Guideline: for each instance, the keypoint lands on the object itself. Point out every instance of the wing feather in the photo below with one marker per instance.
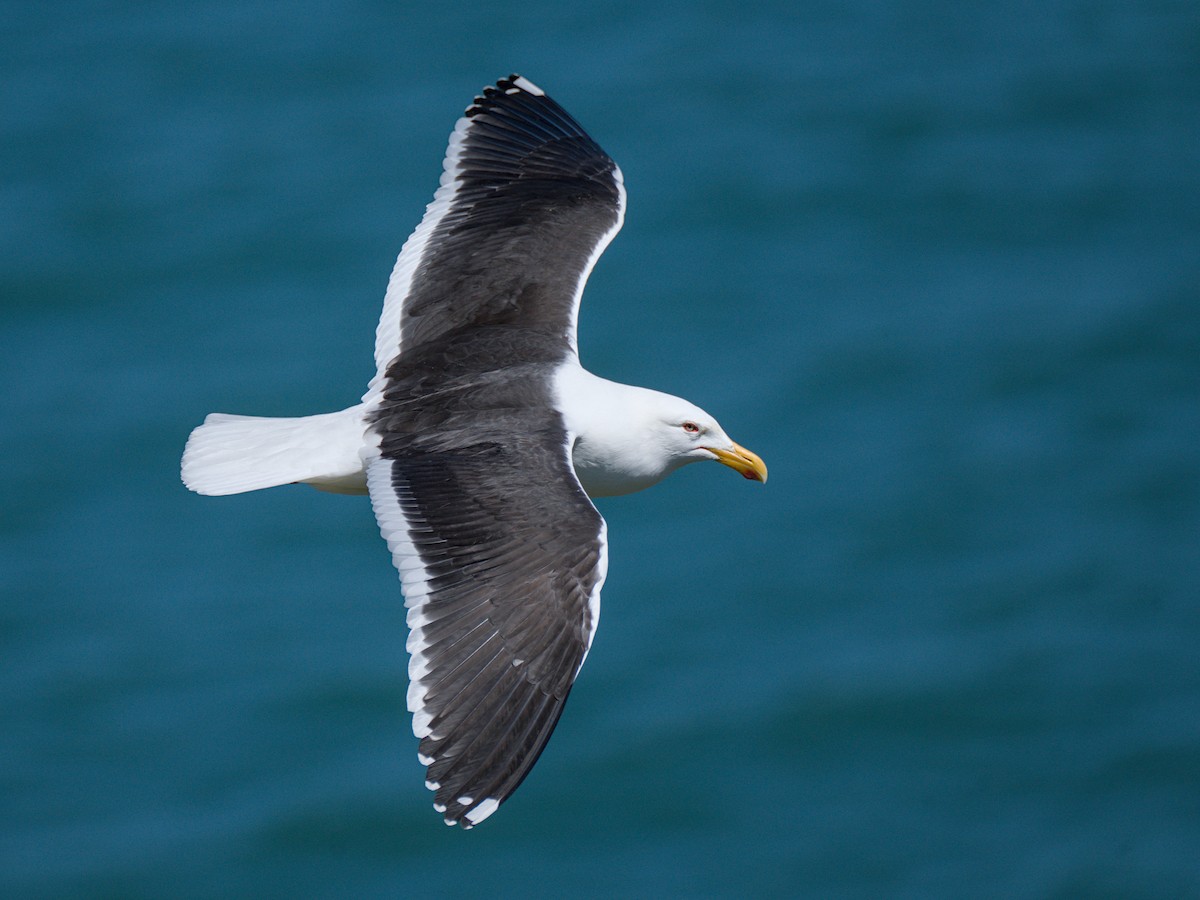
(496, 642)
(526, 204)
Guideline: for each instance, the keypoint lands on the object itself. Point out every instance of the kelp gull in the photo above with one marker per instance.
(481, 440)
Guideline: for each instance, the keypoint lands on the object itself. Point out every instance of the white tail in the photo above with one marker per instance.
(231, 454)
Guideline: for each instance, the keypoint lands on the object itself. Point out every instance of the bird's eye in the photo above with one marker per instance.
(691, 427)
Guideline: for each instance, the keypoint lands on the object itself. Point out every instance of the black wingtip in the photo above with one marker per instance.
(513, 84)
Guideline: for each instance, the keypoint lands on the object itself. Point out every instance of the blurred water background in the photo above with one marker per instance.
(938, 263)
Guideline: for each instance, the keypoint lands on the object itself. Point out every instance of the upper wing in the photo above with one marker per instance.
(501, 557)
(527, 204)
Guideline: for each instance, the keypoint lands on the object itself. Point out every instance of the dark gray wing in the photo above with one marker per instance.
(501, 556)
(527, 204)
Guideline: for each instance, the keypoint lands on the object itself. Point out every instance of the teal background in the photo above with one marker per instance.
(939, 263)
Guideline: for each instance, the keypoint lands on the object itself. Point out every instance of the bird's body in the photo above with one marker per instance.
(481, 440)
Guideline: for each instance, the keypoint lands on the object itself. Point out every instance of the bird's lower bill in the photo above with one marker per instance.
(746, 462)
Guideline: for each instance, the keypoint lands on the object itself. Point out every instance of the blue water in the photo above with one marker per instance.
(938, 263)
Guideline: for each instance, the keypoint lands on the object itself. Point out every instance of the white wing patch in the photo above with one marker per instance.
(414, 581)
(599, 249)
(480, 812)
(594, 596)
(528, 86)
(389, 336)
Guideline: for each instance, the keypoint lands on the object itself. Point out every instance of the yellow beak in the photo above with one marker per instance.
(741, 460)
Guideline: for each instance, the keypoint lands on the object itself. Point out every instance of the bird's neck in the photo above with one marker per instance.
(612, 450)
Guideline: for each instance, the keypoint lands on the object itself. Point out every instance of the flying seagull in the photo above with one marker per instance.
(481, 441)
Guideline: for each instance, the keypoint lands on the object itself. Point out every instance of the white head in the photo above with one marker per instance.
(628, 438)
(685, 433)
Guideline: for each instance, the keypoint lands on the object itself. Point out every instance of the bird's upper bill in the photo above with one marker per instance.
(741, 460)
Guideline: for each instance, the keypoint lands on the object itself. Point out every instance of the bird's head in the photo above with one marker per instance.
(688, 434)
(628, 438)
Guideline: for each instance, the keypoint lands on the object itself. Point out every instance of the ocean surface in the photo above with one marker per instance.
(938, 263)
